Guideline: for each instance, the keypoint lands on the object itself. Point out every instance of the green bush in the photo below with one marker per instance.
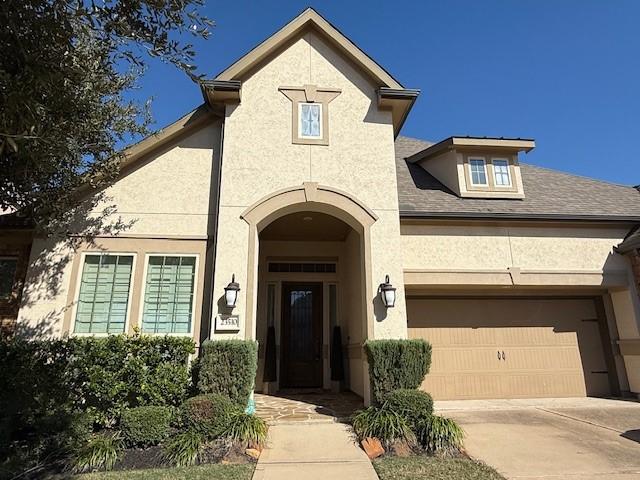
(228, 367)
(381, 423)
(208, 414)
(101, 452)
(411, 404)
(396, 364)
(184, 449)
(145, 426)
(439, 435)
(46, 383)
(247, 429)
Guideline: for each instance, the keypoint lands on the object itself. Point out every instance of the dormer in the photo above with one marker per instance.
(475, 167)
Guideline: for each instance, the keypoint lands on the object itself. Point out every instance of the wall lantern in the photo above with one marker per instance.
(231, 292)
(387, 293)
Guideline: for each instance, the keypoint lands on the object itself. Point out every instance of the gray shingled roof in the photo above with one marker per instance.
(548, 193)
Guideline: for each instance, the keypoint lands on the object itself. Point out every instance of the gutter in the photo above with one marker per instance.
(515, 216)
(404, 94)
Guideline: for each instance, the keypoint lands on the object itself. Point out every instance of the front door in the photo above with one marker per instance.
(301, 345)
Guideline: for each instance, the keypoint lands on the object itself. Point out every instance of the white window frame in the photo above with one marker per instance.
(304, 137)
(76, 297)
(486, 173)
(143, 291)
(508, 164)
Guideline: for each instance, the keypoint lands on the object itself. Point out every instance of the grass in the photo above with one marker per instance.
(200, 472)
(433, 468)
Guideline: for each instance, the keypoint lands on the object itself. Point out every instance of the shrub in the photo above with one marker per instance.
(145, 426)
(228, 367)
(382, 423)
(208, 415)
(247, 429)
(184, 449)
(411, 404)
(45, 383)
(101, 452)
(396, 364)
(439, 435)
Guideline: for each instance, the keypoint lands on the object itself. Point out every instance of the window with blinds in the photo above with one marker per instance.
(104, 294)
(168, 294)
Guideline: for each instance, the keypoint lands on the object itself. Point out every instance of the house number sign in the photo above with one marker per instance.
(227, 323)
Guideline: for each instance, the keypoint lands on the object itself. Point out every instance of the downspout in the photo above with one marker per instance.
(212, 246)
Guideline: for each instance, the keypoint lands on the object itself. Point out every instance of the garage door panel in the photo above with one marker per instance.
(552, 347)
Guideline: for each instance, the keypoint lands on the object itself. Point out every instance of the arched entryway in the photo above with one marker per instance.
(309, 269)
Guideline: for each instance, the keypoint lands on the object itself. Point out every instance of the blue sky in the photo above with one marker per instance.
(564, 72)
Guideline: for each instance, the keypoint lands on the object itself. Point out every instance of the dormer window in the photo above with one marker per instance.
(310, 116)
(501, 172)
(478, 171)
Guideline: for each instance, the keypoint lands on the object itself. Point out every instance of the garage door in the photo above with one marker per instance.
(510, 348)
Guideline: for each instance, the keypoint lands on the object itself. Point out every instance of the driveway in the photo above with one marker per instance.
(585, 438)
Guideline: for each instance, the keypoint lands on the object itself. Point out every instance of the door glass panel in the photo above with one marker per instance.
(301, 323)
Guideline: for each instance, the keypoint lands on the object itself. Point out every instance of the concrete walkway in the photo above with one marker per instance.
(552, 439)
(312, 451)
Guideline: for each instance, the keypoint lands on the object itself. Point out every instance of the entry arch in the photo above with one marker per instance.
(310, 196)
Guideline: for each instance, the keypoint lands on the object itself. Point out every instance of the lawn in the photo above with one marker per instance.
(201, 472)
(433, 468)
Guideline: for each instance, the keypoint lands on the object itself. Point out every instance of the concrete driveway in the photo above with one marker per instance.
(584, 438)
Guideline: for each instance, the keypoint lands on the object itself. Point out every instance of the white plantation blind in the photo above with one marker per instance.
(168, 297)
(104, 294)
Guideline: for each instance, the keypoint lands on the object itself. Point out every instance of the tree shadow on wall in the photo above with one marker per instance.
(51, 255)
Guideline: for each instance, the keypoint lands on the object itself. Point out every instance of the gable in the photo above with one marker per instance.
(309, 19)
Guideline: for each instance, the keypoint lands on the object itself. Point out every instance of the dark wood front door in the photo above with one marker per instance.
(301, 362)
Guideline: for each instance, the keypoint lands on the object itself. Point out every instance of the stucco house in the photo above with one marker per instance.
(292, 183)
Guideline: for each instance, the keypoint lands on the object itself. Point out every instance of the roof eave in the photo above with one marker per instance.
(400, 102)
(454, 142)
(517, 216)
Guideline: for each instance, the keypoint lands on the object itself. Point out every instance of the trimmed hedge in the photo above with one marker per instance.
(208, 414)
(146, 426)
(45, 384)
(396, 364)
(413, 405)
(228, 367)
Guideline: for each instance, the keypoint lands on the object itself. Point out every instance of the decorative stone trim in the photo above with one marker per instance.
(309, 94)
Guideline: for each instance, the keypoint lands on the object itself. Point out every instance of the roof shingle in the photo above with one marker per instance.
(548, 193)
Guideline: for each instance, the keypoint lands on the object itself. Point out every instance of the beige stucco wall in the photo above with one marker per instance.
(259, 158)
(440, 248)
(166, 196)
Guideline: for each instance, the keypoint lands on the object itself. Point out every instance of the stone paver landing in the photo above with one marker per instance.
(306, 407)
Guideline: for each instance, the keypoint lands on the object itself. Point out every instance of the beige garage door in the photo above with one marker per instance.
(510, 348)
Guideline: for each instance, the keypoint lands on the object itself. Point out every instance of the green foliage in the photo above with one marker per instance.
(208, 414)
(247, 429)
(396, 364)
(228, 367)
(411, 404)
(44, 384)
(66, 68)
(145, 426)
(439, 435)
(382, 423)
(184, 449)
(101, 452)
